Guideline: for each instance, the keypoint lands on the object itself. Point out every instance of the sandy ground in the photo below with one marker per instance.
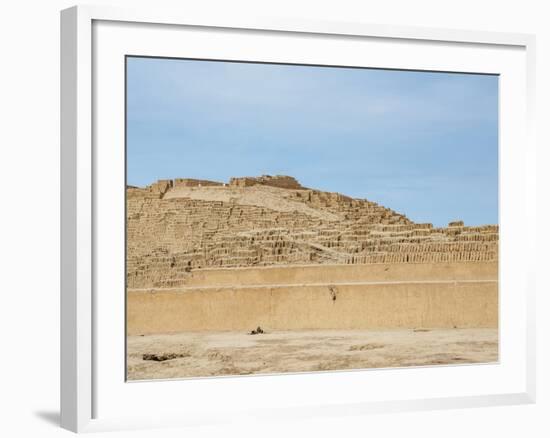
(201, 354)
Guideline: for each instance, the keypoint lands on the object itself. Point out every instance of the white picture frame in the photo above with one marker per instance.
(87, 403)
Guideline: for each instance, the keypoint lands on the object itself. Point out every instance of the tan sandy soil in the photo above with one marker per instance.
(200, 354)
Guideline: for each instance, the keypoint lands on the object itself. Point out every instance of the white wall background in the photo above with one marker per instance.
(29, 215)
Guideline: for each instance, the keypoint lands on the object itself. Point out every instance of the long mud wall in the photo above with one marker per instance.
(308, 274)
(322, 297)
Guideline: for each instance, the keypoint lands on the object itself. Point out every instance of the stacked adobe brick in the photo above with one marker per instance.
(166, 238)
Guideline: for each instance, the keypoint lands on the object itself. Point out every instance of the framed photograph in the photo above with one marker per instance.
(283, 218)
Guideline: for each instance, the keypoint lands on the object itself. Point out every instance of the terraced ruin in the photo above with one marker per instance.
(323, 280)
(175, 227)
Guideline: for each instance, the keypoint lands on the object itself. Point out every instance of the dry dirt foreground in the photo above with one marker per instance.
(202, 354)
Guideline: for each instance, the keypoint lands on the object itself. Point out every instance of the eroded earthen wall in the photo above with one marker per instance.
(167, 238)
(300, 259)
(436, 295)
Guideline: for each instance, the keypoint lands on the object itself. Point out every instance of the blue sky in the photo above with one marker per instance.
(424, 144)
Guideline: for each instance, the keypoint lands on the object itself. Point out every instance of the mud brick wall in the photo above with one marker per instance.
(281, 181)
(167, 238)
(190, 182)
(267, 251)
(170, 236)
(441, 295)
